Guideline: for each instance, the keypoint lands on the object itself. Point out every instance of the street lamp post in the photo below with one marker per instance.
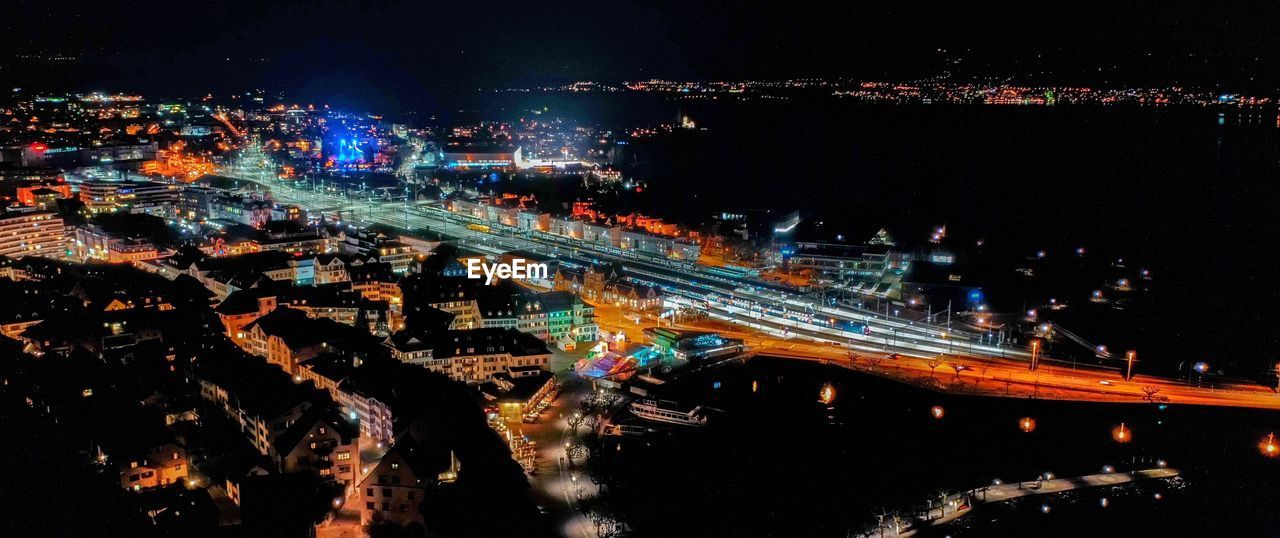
(1035, 354)
(1129, 356)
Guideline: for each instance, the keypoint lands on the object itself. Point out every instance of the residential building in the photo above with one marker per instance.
(472, 356)
(36, 233)
(325, 445)
(394, 490)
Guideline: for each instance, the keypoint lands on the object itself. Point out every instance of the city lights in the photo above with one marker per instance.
(388, 271)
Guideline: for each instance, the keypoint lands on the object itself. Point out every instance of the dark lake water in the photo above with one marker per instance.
(777, 462)
(1187, 194)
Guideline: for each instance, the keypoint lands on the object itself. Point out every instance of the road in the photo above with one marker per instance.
(553, 488)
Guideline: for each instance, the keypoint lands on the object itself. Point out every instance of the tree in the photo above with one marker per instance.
(576, 450)
(606, 525)
(957, 367)
(1151, 394)
(575, 420)
(942, 502)
(933, 364)
(874, 362)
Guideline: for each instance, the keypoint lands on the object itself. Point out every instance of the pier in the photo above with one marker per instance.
(958, 505)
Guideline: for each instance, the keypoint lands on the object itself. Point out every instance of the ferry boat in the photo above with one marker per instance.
(667, 411)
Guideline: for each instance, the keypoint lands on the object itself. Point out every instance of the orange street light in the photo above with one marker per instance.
(1027, 424)
(1121, 434)
(1269, 447)
(826, 395)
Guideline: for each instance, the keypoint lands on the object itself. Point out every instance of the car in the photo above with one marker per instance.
(1106, 383)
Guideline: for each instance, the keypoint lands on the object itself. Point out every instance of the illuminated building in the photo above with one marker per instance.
(98, 155)
(43, 196)
(175, 163)
(642, 241)
(301, 243)
(348, 151)
(260, 400)
(158, 199)
(196, 203)
(324, 445)
(288, 336)
(472, 356)
(244, 210)
(472, 157)
(394, 490)
(20, 174)
(92, 242)
(554, 317)
(634, 231)
(834, 262)
(453, 296)
(159, 466)
(532, 220)
(566, 226)
(34, 233)
(518, 396)
(692, 345)
(386, 248)
(357, 394)
(608, 287)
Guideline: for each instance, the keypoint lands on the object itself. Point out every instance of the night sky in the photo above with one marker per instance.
(400, 54)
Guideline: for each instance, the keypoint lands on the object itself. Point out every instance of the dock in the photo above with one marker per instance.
(958, 505)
